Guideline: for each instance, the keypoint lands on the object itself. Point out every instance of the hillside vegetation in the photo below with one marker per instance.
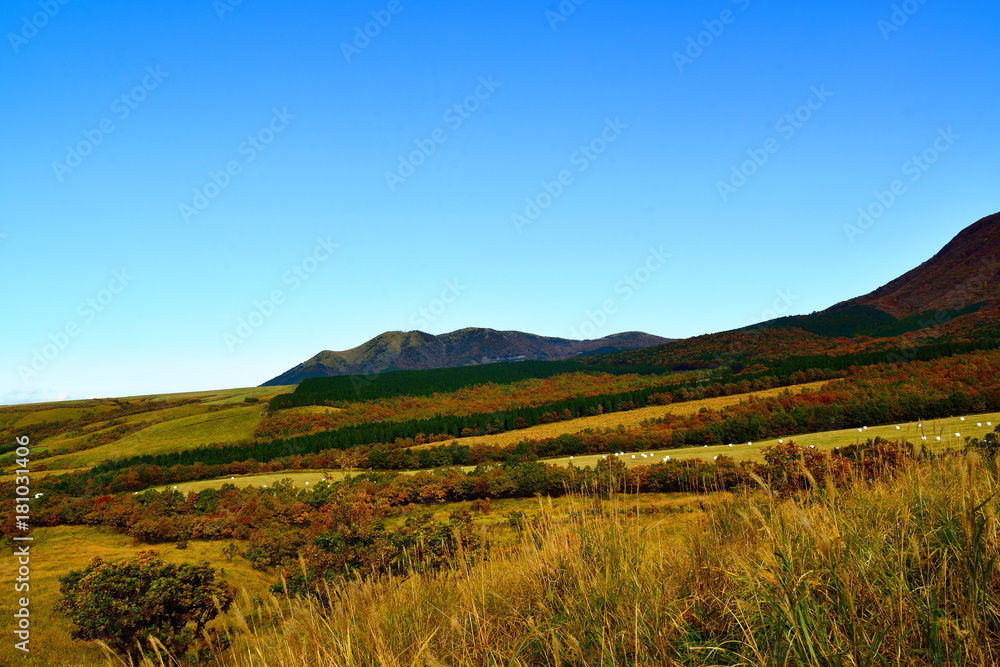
(630, 419)
(897, 571)
(347, 388)
(476, 518)
(893, 567)
(84, 433)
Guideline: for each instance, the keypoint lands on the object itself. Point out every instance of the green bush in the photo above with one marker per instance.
(122, 603)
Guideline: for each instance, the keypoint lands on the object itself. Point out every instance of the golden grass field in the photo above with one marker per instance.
(878, 572)
(20, 420)
(56, 551)
(884, 571)
(299, 478)
(226, 426)
(22, 415)
(223, 396)
(313, 410)
(629, 419)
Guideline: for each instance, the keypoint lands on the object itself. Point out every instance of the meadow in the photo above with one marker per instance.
(894, 570)
(173, 433)
(827, 441)
(57, 550)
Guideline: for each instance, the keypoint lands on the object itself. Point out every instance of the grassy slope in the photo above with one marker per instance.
(627, 590)
(747, 580)
(193, 425)
(300, 478)
(220, 396)
(23, 415)
(51, 414)
(217, 416)
(313, 410)
(225, 426)
(71, 440)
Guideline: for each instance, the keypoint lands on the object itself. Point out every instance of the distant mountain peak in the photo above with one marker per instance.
(414, 350)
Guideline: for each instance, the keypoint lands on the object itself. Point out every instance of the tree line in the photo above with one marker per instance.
(347, 388)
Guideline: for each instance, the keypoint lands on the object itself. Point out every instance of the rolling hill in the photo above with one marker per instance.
(416, 350)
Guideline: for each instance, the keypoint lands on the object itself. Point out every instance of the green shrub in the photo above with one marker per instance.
(122, 603)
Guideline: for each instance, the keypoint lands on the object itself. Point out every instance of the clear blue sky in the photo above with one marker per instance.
(309, 130)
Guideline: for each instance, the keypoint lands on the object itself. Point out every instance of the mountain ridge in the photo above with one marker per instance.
(416, 350)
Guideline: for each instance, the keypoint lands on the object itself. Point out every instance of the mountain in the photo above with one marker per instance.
(414, 350)
(963, 273)
(954, 297)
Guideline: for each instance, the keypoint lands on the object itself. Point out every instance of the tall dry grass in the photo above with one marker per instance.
(892, 572)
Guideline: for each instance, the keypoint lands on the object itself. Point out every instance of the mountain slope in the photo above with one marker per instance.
(954, 296)
(964, 272)
(414, 350)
